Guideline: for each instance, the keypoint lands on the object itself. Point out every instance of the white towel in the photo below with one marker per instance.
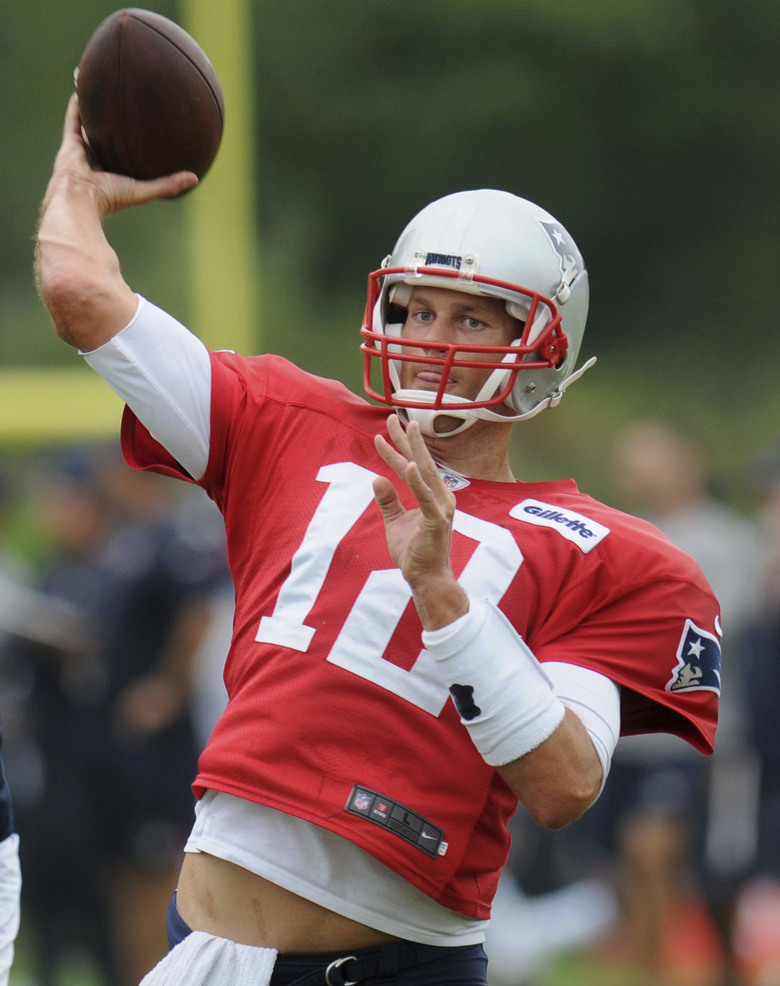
(205, 959)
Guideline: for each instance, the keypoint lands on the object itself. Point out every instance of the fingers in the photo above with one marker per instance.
(71, 132)
(393, 458)
(121, 191)
(410, 447)
(401, 459)
(419, 538)
(414, 464)
(384, 491)
(386, 497)
(72, 117)
(162, 188)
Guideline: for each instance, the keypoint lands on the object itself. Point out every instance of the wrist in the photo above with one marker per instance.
(440, 600)
(71, 190)
(499, 688)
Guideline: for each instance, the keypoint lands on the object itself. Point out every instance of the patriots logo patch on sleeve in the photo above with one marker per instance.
(698, 661)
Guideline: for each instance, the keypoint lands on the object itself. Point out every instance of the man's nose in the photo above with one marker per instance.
(437, 331)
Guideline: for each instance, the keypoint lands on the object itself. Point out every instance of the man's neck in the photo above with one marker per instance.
(480, 452)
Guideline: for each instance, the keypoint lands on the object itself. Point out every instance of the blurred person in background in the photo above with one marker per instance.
(171, 562)
(10, 880)
(65, 912)
(757, 918)
(684, 828)
(12, 591)
(542, 911)
(111, 712)
(50, 662)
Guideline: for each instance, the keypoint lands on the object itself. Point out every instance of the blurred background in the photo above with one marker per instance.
(651, 129)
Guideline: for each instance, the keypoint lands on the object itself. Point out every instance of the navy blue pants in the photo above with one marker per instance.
(395, 964)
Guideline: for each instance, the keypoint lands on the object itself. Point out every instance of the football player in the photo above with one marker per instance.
(421, 641)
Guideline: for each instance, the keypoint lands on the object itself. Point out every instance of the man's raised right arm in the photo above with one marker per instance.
(77, 271)
(156, 366)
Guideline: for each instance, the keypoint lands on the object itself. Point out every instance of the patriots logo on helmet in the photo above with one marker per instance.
(570, 261)
(698, 661)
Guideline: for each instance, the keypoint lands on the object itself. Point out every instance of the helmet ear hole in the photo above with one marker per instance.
(396, 314)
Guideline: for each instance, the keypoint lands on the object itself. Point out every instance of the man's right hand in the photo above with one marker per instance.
(75, 162)
(77, 272)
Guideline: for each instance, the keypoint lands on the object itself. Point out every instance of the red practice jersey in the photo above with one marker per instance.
(336, 713)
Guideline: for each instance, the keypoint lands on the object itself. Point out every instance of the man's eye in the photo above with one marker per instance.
(473, 323)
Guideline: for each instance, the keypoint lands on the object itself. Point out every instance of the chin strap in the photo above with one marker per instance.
(427, 417)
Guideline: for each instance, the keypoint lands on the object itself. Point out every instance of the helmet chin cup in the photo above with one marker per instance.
(426, 416)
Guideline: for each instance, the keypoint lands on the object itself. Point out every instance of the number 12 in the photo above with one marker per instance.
(370, 623)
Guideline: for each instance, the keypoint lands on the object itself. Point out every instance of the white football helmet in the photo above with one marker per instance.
(489, 243)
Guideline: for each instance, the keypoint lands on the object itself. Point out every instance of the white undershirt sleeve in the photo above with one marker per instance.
(595, 700)
(163, 372)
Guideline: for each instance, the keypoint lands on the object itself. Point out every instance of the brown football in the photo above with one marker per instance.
(150, 100)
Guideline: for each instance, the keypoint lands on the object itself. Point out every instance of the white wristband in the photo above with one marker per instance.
(500, 690)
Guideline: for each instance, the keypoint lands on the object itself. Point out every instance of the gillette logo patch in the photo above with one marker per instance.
(582, 531)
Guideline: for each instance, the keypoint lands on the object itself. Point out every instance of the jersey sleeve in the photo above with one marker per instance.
(229, 392)
(659, 640)
(240, 415)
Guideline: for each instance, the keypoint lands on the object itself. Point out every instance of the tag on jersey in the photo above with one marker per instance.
(397, 818)
(698, 662)
(578, 529)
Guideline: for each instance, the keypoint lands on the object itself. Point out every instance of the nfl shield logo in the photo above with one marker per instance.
(362, 801)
